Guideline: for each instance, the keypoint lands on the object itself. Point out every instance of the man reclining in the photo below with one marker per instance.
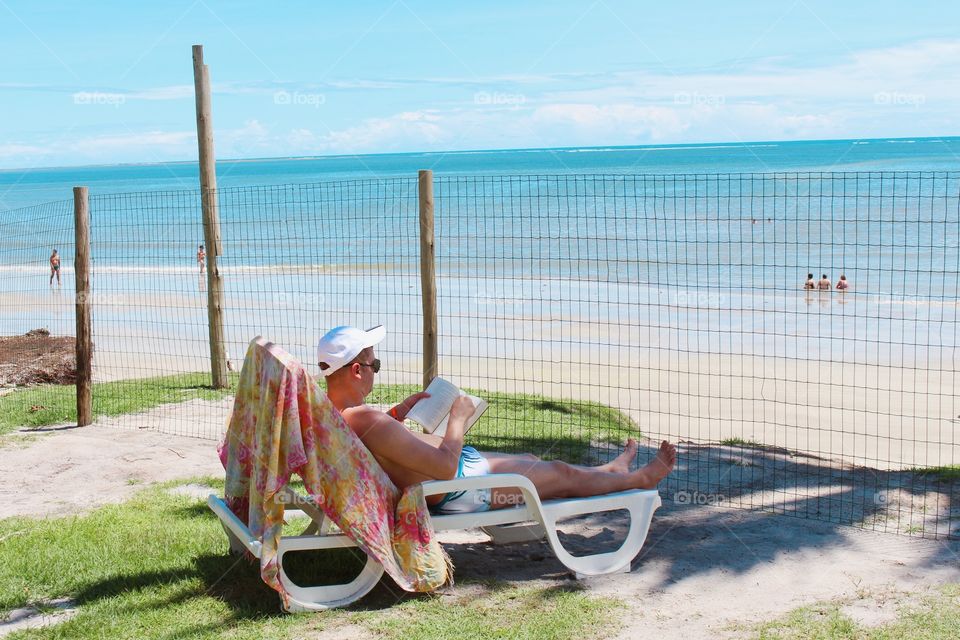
(347, 360)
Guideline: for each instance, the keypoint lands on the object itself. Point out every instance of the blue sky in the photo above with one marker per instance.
(111, 82)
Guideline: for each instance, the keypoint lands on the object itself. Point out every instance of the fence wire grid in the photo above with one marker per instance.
(586, 308)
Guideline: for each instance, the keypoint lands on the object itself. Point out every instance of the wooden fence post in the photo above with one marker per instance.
(84, 304)
(211, 219)
(428, 274)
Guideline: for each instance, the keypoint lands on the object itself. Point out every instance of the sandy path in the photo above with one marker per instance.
(709, 573)
(68, 469)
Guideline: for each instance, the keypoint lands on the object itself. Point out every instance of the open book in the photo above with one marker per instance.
(432, 413)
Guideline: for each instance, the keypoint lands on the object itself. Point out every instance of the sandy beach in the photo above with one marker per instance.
(698, 370)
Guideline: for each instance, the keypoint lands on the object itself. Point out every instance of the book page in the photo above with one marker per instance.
(431, 412)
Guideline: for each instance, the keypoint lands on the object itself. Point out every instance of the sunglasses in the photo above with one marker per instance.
(375, 365)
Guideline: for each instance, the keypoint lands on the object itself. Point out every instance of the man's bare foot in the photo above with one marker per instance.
(657, 469)
(621, 464)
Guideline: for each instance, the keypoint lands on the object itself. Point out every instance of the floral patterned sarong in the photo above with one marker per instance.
(282, 423)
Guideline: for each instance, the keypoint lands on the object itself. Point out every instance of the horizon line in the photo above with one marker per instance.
(678, 145)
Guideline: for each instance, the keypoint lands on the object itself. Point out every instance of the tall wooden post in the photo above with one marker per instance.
(84, 304)
(211, 219)
(428, 280)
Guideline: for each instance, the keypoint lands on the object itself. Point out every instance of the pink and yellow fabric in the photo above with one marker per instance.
(282, 423)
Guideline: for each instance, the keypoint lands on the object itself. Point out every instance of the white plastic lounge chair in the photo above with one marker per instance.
(536, 519)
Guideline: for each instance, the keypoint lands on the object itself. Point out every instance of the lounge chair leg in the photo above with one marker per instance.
(580, 576)
(514, 533)
(331, 596)
(237, 548)
(639, 504)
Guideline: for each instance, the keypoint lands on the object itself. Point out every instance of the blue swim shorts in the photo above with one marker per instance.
(471, 464)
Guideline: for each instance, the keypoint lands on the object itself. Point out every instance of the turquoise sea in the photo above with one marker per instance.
(26, 187)
(880, 211)
(707, 243)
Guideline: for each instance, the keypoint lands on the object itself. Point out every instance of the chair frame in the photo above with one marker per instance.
(532, 520)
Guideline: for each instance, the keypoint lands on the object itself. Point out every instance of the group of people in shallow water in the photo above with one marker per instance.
(824, 283)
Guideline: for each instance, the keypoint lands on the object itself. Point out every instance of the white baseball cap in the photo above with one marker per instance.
(342, 344)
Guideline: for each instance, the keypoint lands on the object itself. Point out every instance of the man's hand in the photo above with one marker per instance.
(400, 411)
(462, 409)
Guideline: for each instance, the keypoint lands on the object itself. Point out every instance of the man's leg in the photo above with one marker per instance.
(621, 463)
(557, 479)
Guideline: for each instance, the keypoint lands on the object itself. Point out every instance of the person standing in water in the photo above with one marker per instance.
(55, 267)
(201, 258)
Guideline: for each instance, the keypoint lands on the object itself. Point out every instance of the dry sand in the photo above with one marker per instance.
(703, 571)
(68, 469)
(781, 388)
(884, 417)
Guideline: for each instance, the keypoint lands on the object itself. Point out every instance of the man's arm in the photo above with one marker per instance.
(388, 439)
(400, 411)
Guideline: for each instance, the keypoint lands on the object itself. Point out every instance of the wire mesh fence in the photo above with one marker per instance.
(587, 309)
(37, 313)
(680, 301)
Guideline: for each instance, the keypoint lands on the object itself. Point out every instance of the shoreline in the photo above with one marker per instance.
(714, 144)
(865, 382)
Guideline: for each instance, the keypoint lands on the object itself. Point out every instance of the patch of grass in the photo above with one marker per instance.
(936, 618)
(157, 567)
(49, 404)
(502, 612)
(740, 442)
(18, 440)
(548, 427)
(821, 622)
(947, 473)
(150, 567)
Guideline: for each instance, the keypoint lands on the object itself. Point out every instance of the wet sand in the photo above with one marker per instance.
(818, 383)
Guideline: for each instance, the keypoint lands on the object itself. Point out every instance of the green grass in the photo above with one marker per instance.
(548, 427)
(948, 473)
(501, 612)
(49, 404)
(157, 567)
(739, 442)
(935, 618)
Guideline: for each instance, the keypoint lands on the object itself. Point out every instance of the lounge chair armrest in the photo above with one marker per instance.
(488, 481)
(232, 523)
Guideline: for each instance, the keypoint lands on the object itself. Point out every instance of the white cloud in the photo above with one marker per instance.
(870, 93)
(628, 120)
(394, 132)
(15, 150)
(174, 92)
(898, 91)
(156, 139)
(919, 66)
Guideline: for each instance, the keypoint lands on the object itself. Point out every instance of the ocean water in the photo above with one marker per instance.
(27, 187)
(709, 243)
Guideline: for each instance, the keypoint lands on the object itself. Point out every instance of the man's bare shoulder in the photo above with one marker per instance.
(368, 421)
(362, 415)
